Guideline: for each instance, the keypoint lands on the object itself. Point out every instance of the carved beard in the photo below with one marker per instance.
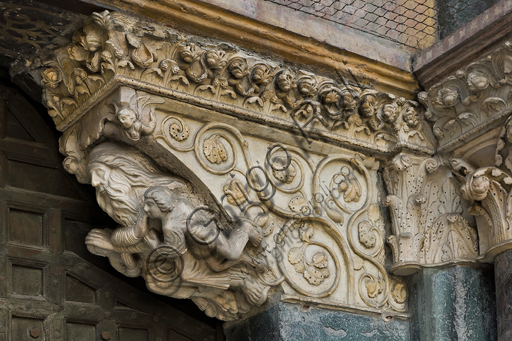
(119, 199)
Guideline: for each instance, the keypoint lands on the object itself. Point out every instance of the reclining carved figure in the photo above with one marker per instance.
(162, 236)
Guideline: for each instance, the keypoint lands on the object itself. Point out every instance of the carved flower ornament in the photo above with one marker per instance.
(52, 77)
(214, 150)
(283, 170)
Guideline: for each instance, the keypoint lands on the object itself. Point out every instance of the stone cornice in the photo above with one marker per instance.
(109, 53)
(253, 34)
(475, 39)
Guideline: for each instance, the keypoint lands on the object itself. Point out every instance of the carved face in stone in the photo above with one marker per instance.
(121, 175)
(411, 117)
(447, 97)
(238, 68)
(367, 107)
(348, 101)
(100, 174)
(307, 86)
(92, 38)
(126, 117)
(284, 82)
(151, 208)
(480, 185)
(477, 80)
(390, 112)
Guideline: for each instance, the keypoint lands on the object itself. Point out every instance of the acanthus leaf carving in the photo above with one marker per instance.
(429, 226)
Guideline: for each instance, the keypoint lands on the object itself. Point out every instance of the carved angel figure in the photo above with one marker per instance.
(181, 230)
(132, 126)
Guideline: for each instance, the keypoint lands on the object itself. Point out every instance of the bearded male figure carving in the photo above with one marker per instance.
(220, 276)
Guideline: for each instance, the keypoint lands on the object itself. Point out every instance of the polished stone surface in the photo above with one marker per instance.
(456, 303)
(503, 269)
(285, 321)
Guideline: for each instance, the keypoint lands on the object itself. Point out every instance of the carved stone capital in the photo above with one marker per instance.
(470, 112)
(489, 191)
(430, 225)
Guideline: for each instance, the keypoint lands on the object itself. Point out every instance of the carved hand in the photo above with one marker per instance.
(99, 239)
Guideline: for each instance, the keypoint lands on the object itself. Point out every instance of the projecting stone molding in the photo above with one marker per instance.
(234, 177)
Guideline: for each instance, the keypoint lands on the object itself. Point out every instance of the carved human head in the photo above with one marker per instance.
(390, 112)
(158, 201)
(477, 81)
(479, 187)
(447, 96)
(126, 117)
(307, 86)
(411, 117)
(284, 81)
(367, 107)
(121, 175)
(238, 67)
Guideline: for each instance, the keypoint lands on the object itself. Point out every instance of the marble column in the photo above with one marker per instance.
(503, 271)
(455, 303)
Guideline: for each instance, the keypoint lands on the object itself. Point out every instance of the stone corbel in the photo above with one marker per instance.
(429, 222)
